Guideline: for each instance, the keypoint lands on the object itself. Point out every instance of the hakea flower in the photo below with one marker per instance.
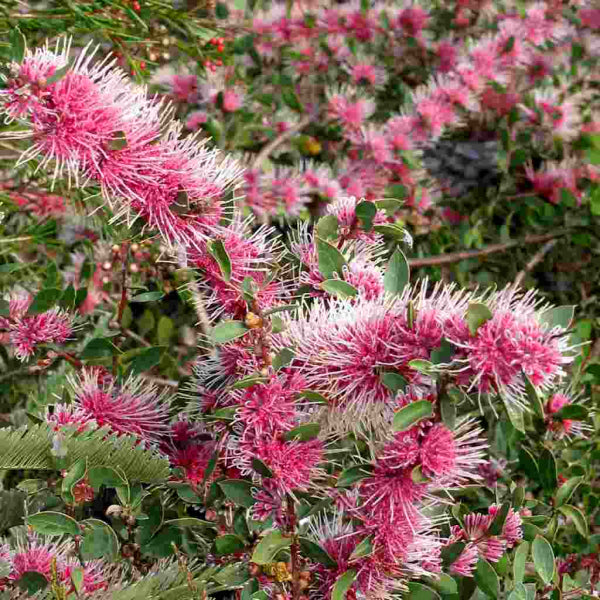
(252, 255)
(413, 20)
(40, 556)
(135, 407)
(348, 224)
(95, 125)
(351, 113)
(482, 544)
(514, 342)
(26, 332)
(559, 427)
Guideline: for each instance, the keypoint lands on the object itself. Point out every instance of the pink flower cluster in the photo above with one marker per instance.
(26, 331)
(480, 543)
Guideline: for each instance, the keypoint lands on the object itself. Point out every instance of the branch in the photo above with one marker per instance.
(445, 259)
(536, 259)
(280, 139)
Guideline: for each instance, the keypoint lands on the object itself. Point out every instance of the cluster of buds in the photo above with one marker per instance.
(218, 43)
(136, 6)
(212, 66)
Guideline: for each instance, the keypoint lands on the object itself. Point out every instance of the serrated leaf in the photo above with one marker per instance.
(353, 474)
(543, 559)
(226, 331)
(559, 316)
(316, 553)
(578, 518)
(331, 260)
(148, 297)
(303, 433)
(238, 491)
(53, 523)
(397, 274)
(283, 358)
(486, 578)
(477, 315)
(566, 490)
(339, 288)
(269, 547)
(411, 414)
(342, 585)
(520, 560)
(217, 250)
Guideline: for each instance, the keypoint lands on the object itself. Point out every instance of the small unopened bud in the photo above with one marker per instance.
(134, 268)
(105, 280)
(114, 510)
(135, 247)
(253, 321)
(107, 265)
(116, 248)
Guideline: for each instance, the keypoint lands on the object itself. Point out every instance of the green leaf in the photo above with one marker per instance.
(147, 359)
(518, 496)
(443, 353)
(53, 523)
(342, 585)
(519, 592)
(520, 559)
(98, 348)
(499, 520)
(184, 522)
(448, 411)
(148, 297)
(533, 396)
(515, 414)
(548, 471)
(276, 309)
(99, 540)
(528, 464)
(221, 10)
(353, 474)
(238, 491)
(260, 467)
(419, 591)
(229, 544)
(559, 316)
(566, 490)
(486, 578)
(331, 260)
(164, 331)
(530, 532)
(44, 300)
(393, 381)
(365, 548)
(397, 274)
(327, 227)
(107, 476)
(411, 414)
(339, 288)
(32, 582)
(396, 232)
(77, 579)
(451, 552)
(313, 396)
(269, 547)
(365, 212)
(248, 381)
(217, 250)
(67, 300)
(477, 315)
(17, 45)
(226, 331)
(316, 553)
(291, 99)
(543, 559)
(572, 412)
(390, 205)
(75, 474)
(303, 433)
(423, 366)
(283, 358)
(11, 267)
(578, 518)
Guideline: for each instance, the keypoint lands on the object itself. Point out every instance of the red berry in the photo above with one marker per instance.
(136, 6)
(219, 62)
(142, 65)
(220, 49)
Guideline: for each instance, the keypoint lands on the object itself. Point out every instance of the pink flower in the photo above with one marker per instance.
(196, 119)
(185, 88)
(232, 101)
(131, 408)
(438, 451)
(590, 17)
(465, 563)
(447, 54)
(366, 277)
(413, 20)
(512, 531)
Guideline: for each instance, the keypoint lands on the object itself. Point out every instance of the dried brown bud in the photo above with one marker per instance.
(114, 510)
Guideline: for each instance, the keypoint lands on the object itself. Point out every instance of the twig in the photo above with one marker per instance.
(280, 139)
(535, 260)
(159, 381)
(445, 259)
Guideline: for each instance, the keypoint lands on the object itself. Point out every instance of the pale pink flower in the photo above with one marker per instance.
(135, 407)
(413, 20)
(561, 428)
(196, 119)
(590, 17)
(467, 560)
(185, 88)
(512, 530)
(366, 277)
(232, 100)
(348, 226)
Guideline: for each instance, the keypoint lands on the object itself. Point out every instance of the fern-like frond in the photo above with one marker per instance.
(36, 447)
